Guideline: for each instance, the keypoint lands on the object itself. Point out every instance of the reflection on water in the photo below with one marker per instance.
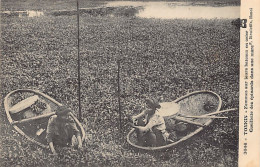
(34, 13)
(160, 10)
(189, 12)
(27, 13)
(180, 10)
(141, 3)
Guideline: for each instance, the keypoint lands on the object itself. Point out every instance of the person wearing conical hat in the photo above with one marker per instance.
(61, 129)
(150, 126)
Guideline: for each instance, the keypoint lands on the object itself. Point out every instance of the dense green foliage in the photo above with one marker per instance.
(161, 58)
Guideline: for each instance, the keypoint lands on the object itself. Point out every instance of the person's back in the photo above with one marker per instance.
(60, 131)
(61, 128)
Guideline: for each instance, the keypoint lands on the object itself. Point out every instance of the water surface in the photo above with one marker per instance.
(179, 10)
(27, 13)
(157, 10)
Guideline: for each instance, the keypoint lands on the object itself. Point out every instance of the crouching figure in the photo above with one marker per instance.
(62, 129)
(150, 126)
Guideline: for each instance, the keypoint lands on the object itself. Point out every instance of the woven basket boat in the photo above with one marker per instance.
(196, 104)
(28, 111)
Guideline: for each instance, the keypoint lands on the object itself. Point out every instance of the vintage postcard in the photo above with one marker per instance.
(130, 83)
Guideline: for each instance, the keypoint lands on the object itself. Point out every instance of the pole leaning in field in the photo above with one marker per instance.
(79, 99)
(118, 87)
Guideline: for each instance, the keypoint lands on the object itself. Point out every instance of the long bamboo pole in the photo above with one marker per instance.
(79, 93)
(210, 114)
(118, 87)
(197, 116)
(187, 121)
(218, 112)
(33, 118)
(178, 118)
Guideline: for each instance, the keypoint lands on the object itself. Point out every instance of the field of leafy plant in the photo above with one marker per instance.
(165, 59)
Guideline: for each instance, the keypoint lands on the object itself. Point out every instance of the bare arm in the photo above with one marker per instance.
(139, 115)
(49, 135)
(79, 141)
(75, 132)
(154, 121)
(52, 148)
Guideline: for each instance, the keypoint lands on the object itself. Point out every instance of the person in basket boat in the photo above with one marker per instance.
(150, 126)
(62, 130)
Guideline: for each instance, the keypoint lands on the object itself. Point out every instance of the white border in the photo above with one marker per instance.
(252, 156)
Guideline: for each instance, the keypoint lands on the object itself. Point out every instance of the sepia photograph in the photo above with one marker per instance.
(120, 83)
